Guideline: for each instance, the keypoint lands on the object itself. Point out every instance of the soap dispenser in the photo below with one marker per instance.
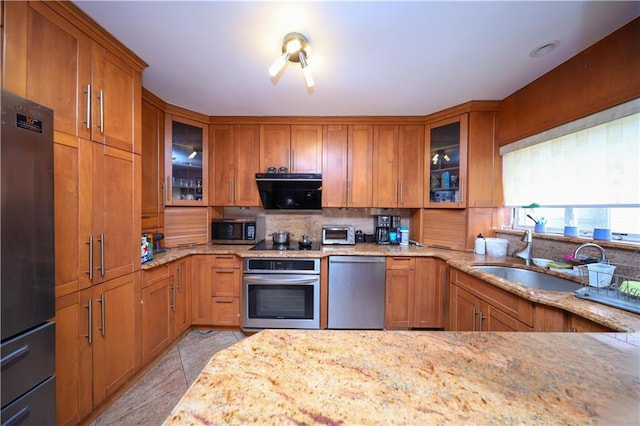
(480, 247)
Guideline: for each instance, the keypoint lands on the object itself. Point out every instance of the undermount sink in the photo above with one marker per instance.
(531, 279)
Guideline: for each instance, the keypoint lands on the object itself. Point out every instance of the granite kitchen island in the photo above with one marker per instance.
(415, 377)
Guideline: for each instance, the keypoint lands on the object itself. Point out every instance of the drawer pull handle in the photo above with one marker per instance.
(14, 356)
(18, 417)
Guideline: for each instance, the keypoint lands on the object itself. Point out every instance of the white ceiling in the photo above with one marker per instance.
(368, 58)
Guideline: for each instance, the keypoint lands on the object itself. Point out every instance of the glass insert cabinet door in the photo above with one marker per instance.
(446, 164)
(187, 161)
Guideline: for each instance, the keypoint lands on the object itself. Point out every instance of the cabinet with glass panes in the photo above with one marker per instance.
(186, 162)
(446, 143)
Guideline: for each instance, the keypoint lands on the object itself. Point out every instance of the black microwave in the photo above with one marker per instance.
(238, 230)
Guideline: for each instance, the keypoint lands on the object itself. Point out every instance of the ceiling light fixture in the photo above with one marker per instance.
(295, 48)
(544, 49)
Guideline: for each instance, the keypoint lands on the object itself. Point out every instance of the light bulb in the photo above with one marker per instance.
(446, 158)
(193, 155)
(293, 46)
(306, 70)
(278, 65)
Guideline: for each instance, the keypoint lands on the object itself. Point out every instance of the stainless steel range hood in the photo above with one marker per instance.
(290, 191)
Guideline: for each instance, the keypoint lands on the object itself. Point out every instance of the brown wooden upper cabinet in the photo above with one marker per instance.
(347, 164)
(297, 147)
(398, 166)
(186, 161)
(446, 163)
(96, 95)
(234, 165)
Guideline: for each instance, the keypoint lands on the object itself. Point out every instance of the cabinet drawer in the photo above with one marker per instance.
(150, 276)
(27, 360)
(509, 303)
(226, 311)
(402, 262)
(225, 283)
(226, 261)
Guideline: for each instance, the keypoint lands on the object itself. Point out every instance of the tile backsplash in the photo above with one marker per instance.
(310, 224)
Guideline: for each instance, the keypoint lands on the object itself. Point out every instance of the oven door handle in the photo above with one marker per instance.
(280, 279)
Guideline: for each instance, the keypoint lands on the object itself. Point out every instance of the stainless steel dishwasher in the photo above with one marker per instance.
(356, 292)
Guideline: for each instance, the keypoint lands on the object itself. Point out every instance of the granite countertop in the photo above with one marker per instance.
(395, 377)
(613, 318)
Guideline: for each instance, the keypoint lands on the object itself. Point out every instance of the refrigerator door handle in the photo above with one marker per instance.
(24, 350)
(18, 417)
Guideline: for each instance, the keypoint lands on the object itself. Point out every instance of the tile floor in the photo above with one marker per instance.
(150, 400)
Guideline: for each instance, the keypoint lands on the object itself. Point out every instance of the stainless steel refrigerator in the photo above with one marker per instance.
(27, 293)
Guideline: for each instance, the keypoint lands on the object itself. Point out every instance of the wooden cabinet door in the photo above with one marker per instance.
(410, 166)
(580, 324)
(181, 314)
(116, 101)
(114, 321)
(430, 277)
(74, 366)
(109, 192)
(496, 320)
(47, 60)
(360, 166)
(462, 310)
(222, 159)
(152, 168)
(156, 301)
(275, 146)
(306, 148)
(201, 297)
(66, 213)
(225, 282)
(226, 311)
(385, 166)
(247, 164)
(335, 166)
(399, 300)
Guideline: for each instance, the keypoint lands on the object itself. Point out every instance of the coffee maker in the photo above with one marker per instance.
(384, 226)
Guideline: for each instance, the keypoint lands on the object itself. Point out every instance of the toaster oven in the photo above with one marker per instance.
(338, 234)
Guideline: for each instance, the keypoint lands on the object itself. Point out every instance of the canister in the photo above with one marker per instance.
(404, 235)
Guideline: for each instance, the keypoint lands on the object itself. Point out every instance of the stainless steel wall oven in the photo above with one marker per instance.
(281, 293)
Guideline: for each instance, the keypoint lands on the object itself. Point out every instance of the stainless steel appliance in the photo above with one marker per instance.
(356, 292)
(385, 226)
(338, 234)
(280, 293)
(238, 230)
(290, 191)
(27, 294)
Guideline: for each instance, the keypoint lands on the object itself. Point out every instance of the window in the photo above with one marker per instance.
(586, 172)
(624, 222)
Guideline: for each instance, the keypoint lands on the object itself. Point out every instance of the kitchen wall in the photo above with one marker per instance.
(305, 223)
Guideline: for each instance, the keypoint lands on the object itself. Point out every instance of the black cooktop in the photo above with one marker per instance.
(292, 246)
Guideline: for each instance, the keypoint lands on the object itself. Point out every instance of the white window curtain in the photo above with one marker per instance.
(593, 166)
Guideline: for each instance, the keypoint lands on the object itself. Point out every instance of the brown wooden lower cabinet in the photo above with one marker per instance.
(95, 345)
(415, 292)
(470, 313)
(551, 319)
(216, 290)
(165, 306)
(475, 305)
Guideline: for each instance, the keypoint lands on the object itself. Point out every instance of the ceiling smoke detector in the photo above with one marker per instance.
(544, 49)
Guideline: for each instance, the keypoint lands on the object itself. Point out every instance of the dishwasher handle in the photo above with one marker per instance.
(356, 259)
